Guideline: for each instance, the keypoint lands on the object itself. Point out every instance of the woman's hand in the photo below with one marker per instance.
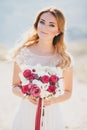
(33, 99)
(48, 102)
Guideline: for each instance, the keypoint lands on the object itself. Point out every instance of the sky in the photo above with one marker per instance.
(17, 16)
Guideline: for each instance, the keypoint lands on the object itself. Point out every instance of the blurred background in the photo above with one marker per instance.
(16, 17)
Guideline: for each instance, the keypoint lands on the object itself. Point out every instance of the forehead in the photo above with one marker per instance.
(47, 16)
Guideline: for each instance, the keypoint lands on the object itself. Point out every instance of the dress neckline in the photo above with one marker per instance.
(46, 56)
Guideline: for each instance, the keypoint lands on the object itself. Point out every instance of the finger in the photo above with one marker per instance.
(47, 102)
(33, 100)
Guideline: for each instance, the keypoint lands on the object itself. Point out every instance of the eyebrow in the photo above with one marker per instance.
(49, 22)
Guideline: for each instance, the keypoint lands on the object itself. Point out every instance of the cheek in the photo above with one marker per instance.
(39, 30)
(53, 32)
(39, 27)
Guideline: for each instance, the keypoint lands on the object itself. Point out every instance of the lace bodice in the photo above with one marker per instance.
(27, 57)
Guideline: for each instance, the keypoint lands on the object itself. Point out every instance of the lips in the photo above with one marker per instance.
(44, 32)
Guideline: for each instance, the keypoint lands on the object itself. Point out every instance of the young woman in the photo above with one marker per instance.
(44, 46)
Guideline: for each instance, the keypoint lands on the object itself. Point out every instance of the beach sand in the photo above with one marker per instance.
(74, 110)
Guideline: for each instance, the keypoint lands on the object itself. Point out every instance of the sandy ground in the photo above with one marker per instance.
(74, 110)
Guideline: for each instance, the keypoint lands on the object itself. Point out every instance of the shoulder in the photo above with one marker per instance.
(20, 56)
(22, 50)
(25, 49)
(70, 61)
(66, 60)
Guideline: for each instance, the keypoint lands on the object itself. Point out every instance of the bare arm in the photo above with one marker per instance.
(67, 84)
(16, 80)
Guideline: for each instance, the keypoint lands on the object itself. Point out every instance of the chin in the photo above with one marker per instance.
(44, 36)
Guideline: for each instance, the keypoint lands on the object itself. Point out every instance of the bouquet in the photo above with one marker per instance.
(41, 82)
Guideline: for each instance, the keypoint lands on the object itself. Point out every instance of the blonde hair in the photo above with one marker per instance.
(58, 40)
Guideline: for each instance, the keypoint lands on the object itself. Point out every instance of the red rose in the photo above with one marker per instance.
(54, 78)
(25, 89)
(51, 89)
(31, 76)
(35, 91)
(45, 79)
(26, 73)
(30, 86)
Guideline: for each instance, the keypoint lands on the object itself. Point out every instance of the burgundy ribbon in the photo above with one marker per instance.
(38, 115)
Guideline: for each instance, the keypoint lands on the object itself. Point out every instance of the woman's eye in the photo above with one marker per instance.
(42, 22)
(52, 25)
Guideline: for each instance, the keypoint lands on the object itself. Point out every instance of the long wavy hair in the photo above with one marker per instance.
(58, 40)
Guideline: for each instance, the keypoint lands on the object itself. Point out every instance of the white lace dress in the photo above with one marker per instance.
(25, 117)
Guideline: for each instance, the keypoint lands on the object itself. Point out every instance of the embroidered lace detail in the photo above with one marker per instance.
(25, 56)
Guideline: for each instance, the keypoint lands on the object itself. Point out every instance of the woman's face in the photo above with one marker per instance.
(47, 26)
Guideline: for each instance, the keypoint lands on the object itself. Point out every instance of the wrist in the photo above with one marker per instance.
(53, 100)
(17, 91)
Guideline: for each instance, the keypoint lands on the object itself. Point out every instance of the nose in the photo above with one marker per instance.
(45, 28)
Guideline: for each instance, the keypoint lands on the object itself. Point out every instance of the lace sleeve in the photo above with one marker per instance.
(19, 59)
(71, 64)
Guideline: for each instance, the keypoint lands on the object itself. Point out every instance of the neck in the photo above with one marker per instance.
(45, 47)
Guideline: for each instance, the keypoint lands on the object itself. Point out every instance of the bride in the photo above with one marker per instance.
(45, 46)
